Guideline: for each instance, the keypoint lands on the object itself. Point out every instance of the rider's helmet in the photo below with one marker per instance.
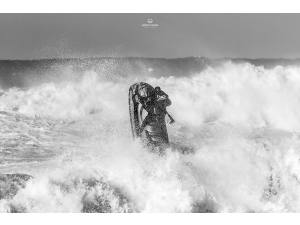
(157, 89)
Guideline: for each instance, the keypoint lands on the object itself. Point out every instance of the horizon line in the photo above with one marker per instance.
(145, 57)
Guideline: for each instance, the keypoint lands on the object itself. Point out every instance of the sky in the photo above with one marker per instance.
(32, 36)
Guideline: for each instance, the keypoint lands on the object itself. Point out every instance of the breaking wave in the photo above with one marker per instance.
(234, 146)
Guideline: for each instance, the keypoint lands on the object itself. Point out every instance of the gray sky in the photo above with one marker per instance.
(26, 36)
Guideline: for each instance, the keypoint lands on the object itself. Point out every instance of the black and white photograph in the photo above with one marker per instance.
(149, 113)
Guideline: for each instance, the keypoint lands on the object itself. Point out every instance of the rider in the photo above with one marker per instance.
(154, 123)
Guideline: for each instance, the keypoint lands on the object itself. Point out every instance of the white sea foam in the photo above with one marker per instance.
(238, 123)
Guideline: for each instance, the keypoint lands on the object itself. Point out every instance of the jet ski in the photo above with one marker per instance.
(147, 110)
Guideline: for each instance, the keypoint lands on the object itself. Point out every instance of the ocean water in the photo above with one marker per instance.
(65, 142)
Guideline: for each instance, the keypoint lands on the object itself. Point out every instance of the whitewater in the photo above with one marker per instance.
(67, 147)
